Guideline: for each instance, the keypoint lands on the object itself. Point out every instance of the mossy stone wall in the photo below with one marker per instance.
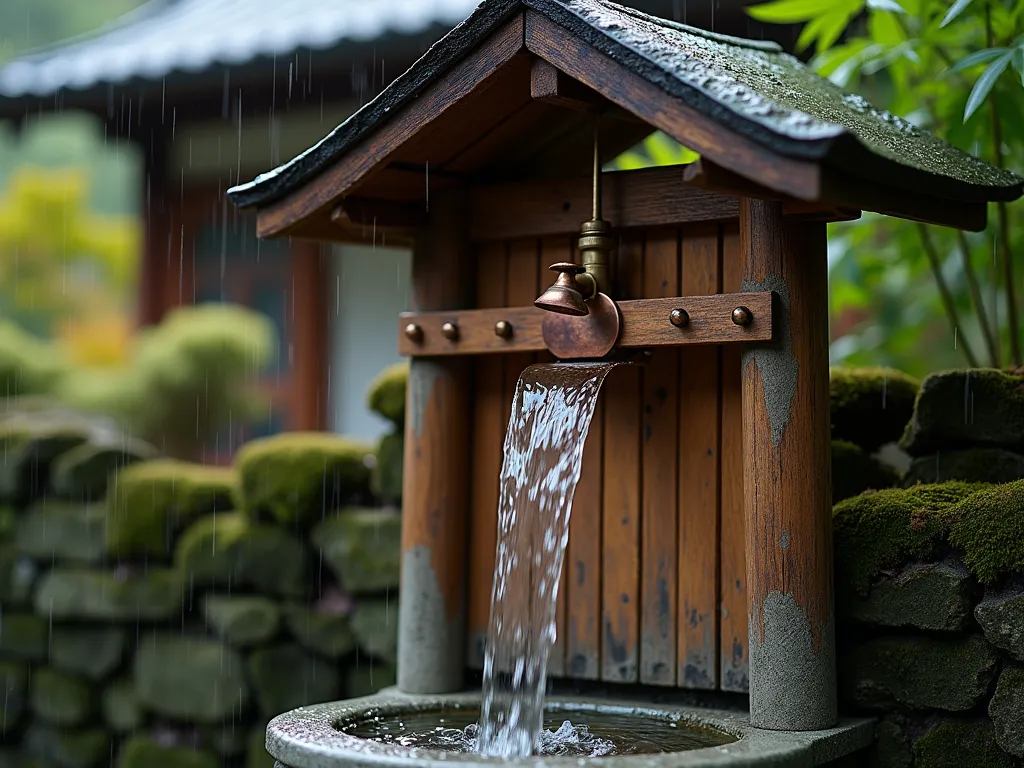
(158, 613)
(930, 584)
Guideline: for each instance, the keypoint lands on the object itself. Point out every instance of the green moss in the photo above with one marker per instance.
(989, 528)
(122, 711)
(67, 748)
(327, 634)
(285, 677)
(296, 477)
(375, 626)
(143, 752)
(972, 465)
(854, 471)
(256, 755)
(17, 577)
(960, 744)
(91, 651)
(62, 531)
(14, 679)
(152, 501)
(363, 547)
(61, 699)
(84, 471)
(386, 395)
(964, 409)
(878, 530)
(28, 445)
(80, 594)
(241, 619)
(28, 365)
(188, 678)
(23, 636)
(870, 406)
(230, 550)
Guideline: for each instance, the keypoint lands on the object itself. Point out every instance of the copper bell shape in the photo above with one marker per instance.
(563, 297)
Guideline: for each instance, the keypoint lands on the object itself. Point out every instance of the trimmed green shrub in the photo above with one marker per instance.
(386, 479)
(87, 595)
(61, 699)
(386, 395)
(241, 620)
(363, 547)
(285, 677)
(299, 476)
(151, 502)
(28, 365)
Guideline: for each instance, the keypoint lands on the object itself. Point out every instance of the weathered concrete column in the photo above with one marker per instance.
(432, 609)
(787, 476)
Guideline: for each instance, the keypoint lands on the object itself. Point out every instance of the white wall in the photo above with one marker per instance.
(369, 287)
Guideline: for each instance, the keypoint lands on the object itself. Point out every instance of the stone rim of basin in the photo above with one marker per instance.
(310, 737)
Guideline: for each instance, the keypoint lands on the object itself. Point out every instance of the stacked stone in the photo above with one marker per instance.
(387, 398)
(870, 408)
(159, 613)
(968, 425)
(930, 614)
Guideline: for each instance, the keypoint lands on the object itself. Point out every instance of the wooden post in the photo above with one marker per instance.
(435, 491)
(787, 477)
(309, 336)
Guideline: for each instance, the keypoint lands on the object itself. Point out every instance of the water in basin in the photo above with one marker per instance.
(597, 734)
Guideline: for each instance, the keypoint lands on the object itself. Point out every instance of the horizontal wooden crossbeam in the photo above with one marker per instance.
(645, 323)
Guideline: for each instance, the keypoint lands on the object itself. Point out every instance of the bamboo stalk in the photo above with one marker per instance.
(991, 339)
(947, 295)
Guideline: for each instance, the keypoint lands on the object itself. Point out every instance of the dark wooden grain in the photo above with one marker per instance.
(488, 436)
(619, 85)
(375, 150)
(645, 323)
(620, 559)
(698, 477)
(733, 654)
(309, 337)
(549, 85)
(786, 455)
(660, 447)
(583, 559)
(435, 485)
(649, 197)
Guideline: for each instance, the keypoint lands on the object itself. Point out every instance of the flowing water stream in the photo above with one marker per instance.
(551, 414)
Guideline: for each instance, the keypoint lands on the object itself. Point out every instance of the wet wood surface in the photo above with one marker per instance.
(698, 477)
(645, 324)
(732, 580)
(488, 436)
(660, 446)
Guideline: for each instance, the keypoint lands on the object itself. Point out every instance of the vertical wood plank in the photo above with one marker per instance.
(787, 482)
(620, 587)
(308, 394)
(699, 459)
(553, 250)
(660, 462)
(435, 489)
(489, 424)
(583, 560)
(733, 579)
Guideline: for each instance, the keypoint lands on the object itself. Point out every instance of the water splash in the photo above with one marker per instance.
(551, 416)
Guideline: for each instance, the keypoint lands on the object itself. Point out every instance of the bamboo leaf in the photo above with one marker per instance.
(985, 82)
(978, 57)
(955, 10)
(886, 5)
(792, 11)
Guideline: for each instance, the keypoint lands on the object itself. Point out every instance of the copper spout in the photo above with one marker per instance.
(564, 296)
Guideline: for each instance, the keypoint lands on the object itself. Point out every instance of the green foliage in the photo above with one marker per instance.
(386, 395)
(28, 365)
(657, 149)
(904, 295)
(189, 375)
(300, 476)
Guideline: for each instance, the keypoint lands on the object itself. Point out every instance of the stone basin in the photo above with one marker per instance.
(315, 737)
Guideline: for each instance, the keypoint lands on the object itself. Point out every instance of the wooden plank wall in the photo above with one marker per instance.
(653, 587)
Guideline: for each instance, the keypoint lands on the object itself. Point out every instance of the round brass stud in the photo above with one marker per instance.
(742, 316)
(680, 318)
(414, 333)
(503, 329)
(450, 331)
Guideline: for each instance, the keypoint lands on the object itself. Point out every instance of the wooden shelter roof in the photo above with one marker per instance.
(749, 108)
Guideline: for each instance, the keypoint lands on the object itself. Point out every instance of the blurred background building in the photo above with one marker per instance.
(173, 102)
